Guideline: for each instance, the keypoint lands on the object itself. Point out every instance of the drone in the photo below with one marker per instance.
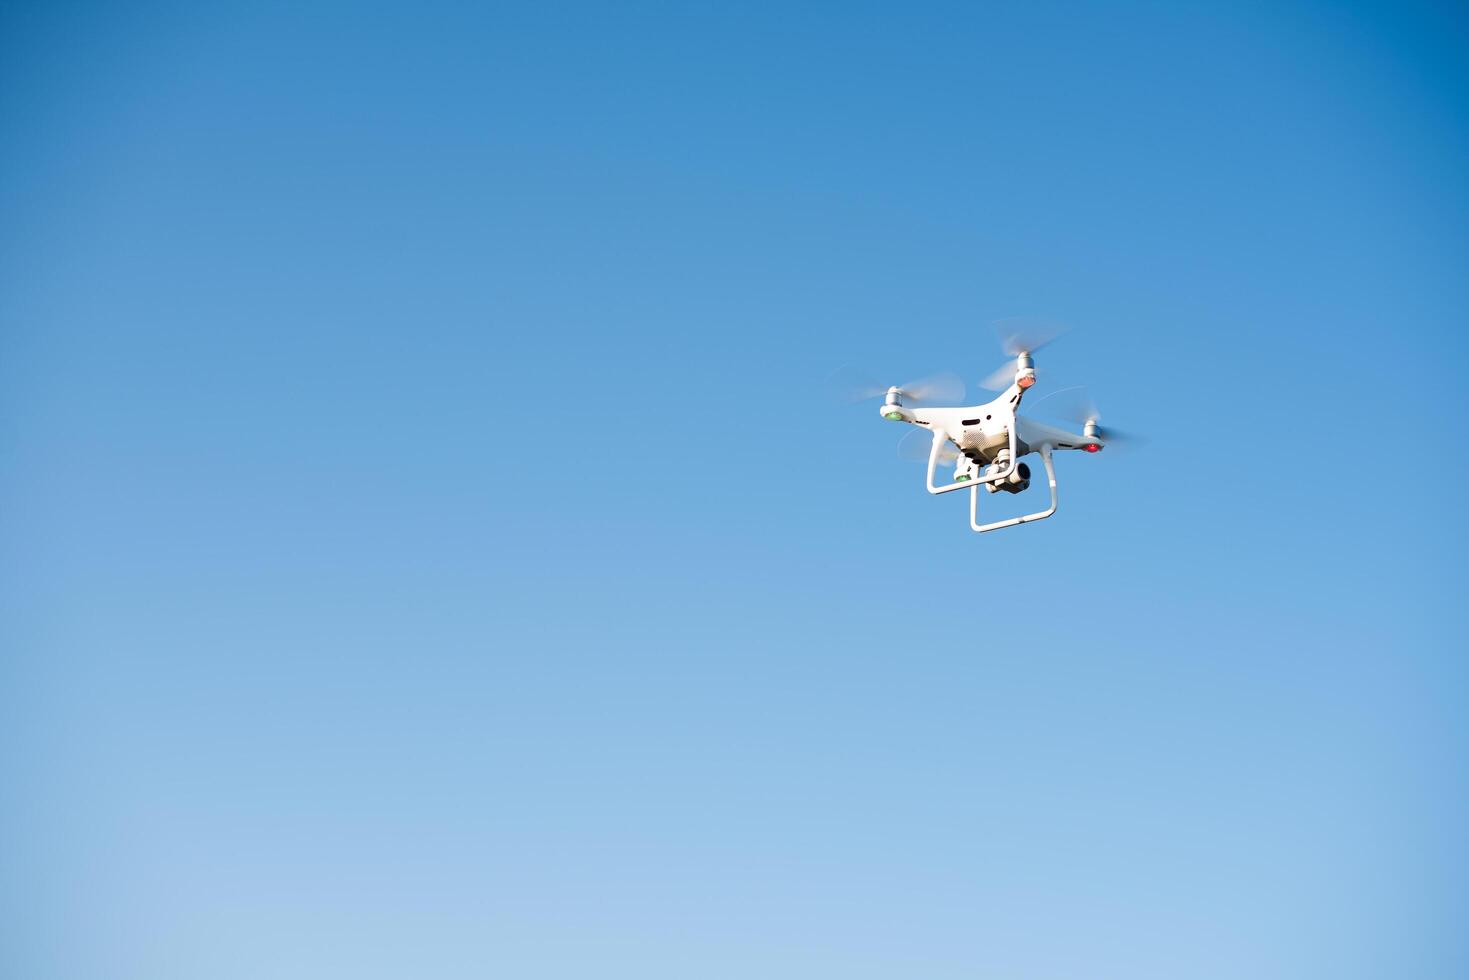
(987, 444)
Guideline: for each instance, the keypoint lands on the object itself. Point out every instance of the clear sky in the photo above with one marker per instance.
(426, 548)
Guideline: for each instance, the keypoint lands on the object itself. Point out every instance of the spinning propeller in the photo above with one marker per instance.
(917, 443)
(945, 388)
(1020, 336)
(1076, 405)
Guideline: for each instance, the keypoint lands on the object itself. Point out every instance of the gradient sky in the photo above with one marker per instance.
(426, 547)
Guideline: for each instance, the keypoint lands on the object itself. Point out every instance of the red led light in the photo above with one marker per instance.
(1025, 380)
(1092, 447)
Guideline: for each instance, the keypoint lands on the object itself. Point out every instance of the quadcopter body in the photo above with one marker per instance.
(987, 443)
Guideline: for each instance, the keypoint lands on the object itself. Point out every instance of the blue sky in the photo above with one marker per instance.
(426, 547)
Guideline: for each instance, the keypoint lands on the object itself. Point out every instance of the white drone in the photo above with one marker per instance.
(987, 443)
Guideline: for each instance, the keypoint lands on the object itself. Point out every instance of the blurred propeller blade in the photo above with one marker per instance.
(848, 384)
(916, 444)
(1002, 378)
(1075, 405)
(1026, 334)
(1071, 404)
(945, 388)
(1117, 437)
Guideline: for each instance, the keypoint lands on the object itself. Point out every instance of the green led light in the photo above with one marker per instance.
(893, 416)
(961, 479)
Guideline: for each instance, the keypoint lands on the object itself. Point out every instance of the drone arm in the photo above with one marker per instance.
(933, 460)
(1037, 516)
